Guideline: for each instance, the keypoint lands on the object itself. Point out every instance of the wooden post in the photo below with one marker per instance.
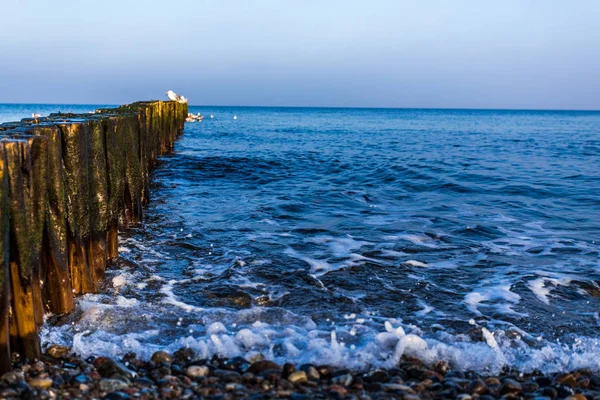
(76, 161)
(23, 322)
(57, 291)
(5, 364)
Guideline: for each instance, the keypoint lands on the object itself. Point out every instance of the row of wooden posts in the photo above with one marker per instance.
(67, 183)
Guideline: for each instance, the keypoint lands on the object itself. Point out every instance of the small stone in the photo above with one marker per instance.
(263, 365)
(10, 378)
(298, 377)
(342, 380)
(57, 351)
(195, 371)
(235, 387)
(394, 387)
(37, 367)
(338, 390)
(116, 396)
(377, 376)
(184, 355)
(143, 382)
(7, 392)
(238, 364)
(584, 383)
(464, 396)
(510, 386)
(81, 379)
(161, 357)
(288, 369)
(227, 376)
(492, 381)
(311, 372)
(41, 383)
(478, 387)
(284, 384)
(566, 379)
(108, 367)
(577, 396)
(112, 385)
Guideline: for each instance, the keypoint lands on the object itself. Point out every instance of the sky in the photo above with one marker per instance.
(531, 54)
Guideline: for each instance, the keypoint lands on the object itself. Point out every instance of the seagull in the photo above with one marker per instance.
(235, 117)
(212, 116)
(35, 117)
(173, 96)
(183, 100)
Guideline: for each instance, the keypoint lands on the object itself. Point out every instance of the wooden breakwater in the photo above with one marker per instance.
(67, 183)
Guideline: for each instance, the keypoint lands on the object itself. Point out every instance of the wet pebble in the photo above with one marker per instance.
(510, 386)
(161, 357)
(58, 351)
(263, 365)
(195, 371)
(12, 377)
(342, 380)
(298, 377)
(112, 385)
(41, 383)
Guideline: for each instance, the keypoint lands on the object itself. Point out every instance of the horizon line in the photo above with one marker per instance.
(329, 107)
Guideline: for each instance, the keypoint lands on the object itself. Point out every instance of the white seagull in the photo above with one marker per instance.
(173, 96)
(235, 117)
(35, 117)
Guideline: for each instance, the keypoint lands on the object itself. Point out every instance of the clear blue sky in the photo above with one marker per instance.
(379, 53)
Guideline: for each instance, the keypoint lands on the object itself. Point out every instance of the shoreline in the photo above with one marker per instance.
(61, 374)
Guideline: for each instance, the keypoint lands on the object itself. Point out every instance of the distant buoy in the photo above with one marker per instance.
(235, 117)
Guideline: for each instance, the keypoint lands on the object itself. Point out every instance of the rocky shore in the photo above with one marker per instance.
(61, 375)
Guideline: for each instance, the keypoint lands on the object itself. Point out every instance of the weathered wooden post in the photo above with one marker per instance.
(5, 364)
(24, 262)
(57, 290)
(76, 161)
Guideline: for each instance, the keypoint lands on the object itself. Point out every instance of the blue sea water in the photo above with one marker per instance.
(353, 236)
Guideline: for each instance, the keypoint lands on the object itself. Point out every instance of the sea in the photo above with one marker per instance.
(351, 237)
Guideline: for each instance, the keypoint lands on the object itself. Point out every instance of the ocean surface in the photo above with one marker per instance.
(353, 236)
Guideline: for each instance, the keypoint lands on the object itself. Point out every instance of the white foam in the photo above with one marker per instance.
(542, 287)
(415, 263)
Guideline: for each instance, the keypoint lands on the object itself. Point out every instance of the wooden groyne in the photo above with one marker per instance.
(67, 183)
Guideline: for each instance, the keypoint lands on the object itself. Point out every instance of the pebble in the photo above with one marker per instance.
(298, 377)
(195, 371)
(342, 380)
(510, 386)
(577, 396)
(263, 365)
(311, 372)
(338, 390)
(41, 383)
(57, 351)
(392, 387)
(10, 378)
(377, 376)
(112, 385)
(184, 355)
(161, 357)
(107, 367)
(566, 379)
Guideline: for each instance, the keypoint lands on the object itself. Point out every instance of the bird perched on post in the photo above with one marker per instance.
(35, 117)
(175, 97)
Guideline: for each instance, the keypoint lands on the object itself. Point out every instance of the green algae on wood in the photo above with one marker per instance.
(68, 182)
